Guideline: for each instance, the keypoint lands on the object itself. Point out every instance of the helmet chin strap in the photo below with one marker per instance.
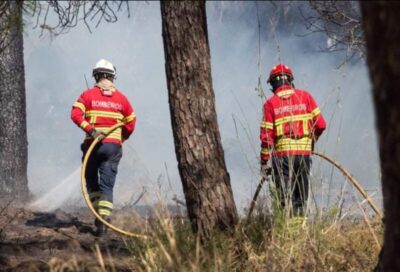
(279, 81)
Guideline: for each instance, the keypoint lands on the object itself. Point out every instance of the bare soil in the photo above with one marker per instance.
(58, 241)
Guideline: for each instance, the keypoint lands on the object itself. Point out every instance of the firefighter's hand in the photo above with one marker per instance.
(265, 169)
(97, 134)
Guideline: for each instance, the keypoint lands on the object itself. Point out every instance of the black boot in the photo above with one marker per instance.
(101, 228)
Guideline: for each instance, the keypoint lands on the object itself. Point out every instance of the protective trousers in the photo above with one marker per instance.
(101, 172)
(290, 174)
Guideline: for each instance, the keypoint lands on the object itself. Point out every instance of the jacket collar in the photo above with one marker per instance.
(284, 90)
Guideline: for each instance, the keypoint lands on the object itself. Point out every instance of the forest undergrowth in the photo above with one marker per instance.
(268, 241)
(265, 243)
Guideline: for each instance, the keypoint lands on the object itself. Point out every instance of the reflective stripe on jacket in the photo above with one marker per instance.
(95, 109)
(291, 120)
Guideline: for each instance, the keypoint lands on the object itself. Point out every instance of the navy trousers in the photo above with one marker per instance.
(101, 172)
(291, 177)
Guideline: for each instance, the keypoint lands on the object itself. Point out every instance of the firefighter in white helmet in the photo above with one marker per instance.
(96, 110)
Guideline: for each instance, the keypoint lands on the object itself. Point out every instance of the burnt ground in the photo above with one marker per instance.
(58, 241)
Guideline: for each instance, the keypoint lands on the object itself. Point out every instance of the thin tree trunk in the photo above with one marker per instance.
(380, 21)
(13, 138)
(198, 147)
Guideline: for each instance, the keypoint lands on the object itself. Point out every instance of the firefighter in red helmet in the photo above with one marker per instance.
(292, 123)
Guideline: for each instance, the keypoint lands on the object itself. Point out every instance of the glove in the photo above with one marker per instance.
(265, 169)
(97, 134)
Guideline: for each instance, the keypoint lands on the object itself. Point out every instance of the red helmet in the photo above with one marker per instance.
(280, 69)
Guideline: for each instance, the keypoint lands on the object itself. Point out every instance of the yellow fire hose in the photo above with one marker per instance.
(86, 195)
(338, 166)
(353, 181)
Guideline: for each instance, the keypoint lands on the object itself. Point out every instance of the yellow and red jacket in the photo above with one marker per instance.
(291, 121)
(95, 109)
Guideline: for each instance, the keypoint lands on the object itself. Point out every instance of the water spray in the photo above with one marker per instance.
(66, 189)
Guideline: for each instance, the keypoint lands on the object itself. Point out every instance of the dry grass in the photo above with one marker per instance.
(266, 244)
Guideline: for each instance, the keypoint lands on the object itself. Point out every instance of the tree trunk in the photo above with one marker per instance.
(382, 33)
(206, 182)
(13, 139)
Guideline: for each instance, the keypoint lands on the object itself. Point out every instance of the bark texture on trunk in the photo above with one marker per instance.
(382, 33)
(13, 137)
(198, 147)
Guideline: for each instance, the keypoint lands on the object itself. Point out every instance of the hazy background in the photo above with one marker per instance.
(55, 76)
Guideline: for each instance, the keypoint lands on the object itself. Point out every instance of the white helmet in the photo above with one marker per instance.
(104, 67)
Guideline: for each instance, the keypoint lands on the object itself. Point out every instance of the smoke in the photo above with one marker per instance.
(55, 76)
